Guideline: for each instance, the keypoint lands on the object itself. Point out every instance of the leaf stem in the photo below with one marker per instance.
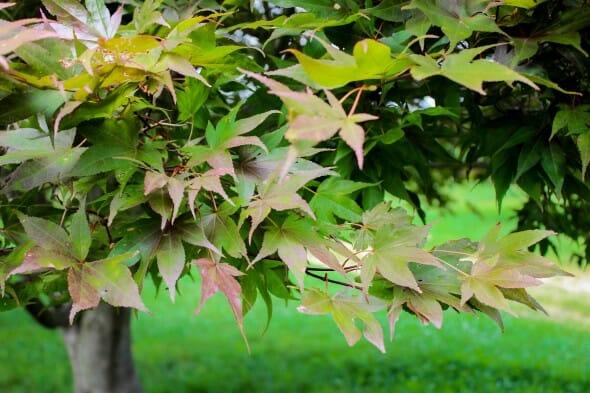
(455, 268)
(349, 94)
(356, 100)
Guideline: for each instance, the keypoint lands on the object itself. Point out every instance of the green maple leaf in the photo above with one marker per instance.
(222, 230)
(391, 250)
(43, 158)
(461, 68)
(576, 120)
(345, 309)
(370, 60)
(375, 219)
(228, 134)
(171, 260)
(458, 19)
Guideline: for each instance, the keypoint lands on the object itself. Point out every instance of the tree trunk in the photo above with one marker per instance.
(99, 346)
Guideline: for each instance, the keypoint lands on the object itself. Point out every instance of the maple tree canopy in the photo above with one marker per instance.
(260, 144)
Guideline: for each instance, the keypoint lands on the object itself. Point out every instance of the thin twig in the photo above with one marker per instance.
(326, 279)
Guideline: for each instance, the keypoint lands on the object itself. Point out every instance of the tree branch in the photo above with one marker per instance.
(325, 278)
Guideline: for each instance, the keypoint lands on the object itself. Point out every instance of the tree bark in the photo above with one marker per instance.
(99, 347)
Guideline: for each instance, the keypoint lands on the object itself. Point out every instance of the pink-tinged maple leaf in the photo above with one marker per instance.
(488, 276)
(423, 305)
(210, 181)
(108, 279)
(220, 277)
(176, 192)
(505, 263)
(281, 195)
(153, 181)
(38, 258)
(312, 119)
(346, 309)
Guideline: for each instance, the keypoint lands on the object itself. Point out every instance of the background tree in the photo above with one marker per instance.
(257, 143)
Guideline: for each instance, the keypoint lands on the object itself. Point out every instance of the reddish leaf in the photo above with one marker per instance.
(312, 119)
(154, 181)
(108, 279)
(176, 192)
(216, 277)
(354, 136)
(210, 181)
(281, 195)
(38, 258)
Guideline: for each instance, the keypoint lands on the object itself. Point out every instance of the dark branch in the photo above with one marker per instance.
(325, 278)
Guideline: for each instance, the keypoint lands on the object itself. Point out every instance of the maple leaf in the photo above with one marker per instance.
(375, 219)
(458, 20)
(219, 276)
(290, 251)
(371, 59)
(175, 187)
(461, 68)
(513, 252)
(293, 240)
(108, 279)
(227, 134)
(345, 308)
(222, 230)
(194, 234)
(424, 305)
(391, 250)
(171, 259)
(505, 263)
(312, 119)
(14, 34)
(277, 194)
(46, 234)
(210, 181)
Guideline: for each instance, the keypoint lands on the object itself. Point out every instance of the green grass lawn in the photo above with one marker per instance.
(178, 353)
